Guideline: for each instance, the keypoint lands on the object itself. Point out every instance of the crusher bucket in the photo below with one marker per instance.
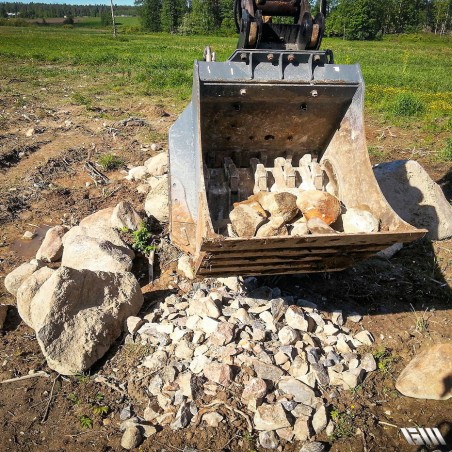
(276, 119)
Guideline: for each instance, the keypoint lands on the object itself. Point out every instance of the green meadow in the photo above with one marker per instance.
(408, 77)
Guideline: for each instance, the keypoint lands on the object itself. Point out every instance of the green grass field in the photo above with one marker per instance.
(407, 78)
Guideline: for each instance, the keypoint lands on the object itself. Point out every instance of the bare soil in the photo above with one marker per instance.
(406, 302)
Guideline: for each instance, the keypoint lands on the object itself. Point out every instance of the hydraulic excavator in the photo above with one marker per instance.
(278, 113)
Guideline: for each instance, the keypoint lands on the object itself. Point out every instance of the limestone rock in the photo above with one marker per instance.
(318, 226)
(131, 438)
(157, 165)
(212, 419)
(270, 417)
(268, 440)
(295, 318)
(287, 335)
(302, 429)
(14, 279)
(203, 307)
(223, 335)
(300, 228)
(101, 218)
(267, 371)
(282, 204)
(218, 373)
(137, 173)
(51, 248)
(28, 290)
(415, 197)
(319, 420)
(82, 252)
(78, 314)
(156, 203)
(125, 216)
(429, 374)
(314, 446)
(274, 227)
(255, 389)
(246, 220)
(359, 221)
(185, 267)
(320, 205)
(301, 393)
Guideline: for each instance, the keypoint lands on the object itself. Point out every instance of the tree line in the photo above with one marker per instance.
(351, 19)
(46, 10)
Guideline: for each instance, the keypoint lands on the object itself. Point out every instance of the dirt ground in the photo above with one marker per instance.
(44, 144)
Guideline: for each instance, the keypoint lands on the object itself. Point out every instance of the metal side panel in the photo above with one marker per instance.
(287, 255)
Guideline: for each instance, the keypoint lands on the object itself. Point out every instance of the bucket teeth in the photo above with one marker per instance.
(260, 176)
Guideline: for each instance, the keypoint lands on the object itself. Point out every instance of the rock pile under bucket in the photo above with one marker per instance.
(277, 358)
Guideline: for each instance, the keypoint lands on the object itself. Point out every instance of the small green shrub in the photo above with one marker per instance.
(86, 422)
(110, 162)
(142, 240)
(343, 424)
(407, 104)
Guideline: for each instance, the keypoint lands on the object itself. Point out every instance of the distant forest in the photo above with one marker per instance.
(46, 10)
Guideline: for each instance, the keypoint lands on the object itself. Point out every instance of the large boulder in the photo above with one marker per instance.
(415, 197)
(14, 279)
(78, 314)
(156, 204)
(28, 290)
(429, 374)
(51, 248)
(84, 252)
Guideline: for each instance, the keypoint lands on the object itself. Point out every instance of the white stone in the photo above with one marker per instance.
(212, 419)
(287, 336)
(365, 337)
(14, 279)
(156, 203)
(359, 221)
(137, 173)
(270, 417)
(295, 318)
(157, 165)
(319, 420)
(203, 307)
(185, 267)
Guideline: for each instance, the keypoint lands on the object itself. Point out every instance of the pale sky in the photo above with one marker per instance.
(82, 2)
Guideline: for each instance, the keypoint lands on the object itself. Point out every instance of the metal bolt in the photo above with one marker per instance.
(314, 93)
(291, 58)
(242, 92)
(270, 57)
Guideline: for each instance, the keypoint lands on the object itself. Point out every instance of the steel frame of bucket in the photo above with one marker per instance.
(343, 152)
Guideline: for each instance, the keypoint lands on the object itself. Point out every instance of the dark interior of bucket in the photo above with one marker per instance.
(244, 124)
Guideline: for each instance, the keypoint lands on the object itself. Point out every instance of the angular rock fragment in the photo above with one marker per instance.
(218, 373)
(281, 204)
(318, 226)
(319, 205)
(246, 220)
(156, 203)
(157, 165)
(270, 417)
(295, 318)
(275, 227)
(287, 335)
(125, 216)
(359, 221)
(51, 248)
(268, 440)
(299, 391)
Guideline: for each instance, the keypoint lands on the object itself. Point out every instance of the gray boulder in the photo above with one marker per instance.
(429, 374)
(105, 253)
(28, 290)
(14, 279)
(415, 197)
(78, 314)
